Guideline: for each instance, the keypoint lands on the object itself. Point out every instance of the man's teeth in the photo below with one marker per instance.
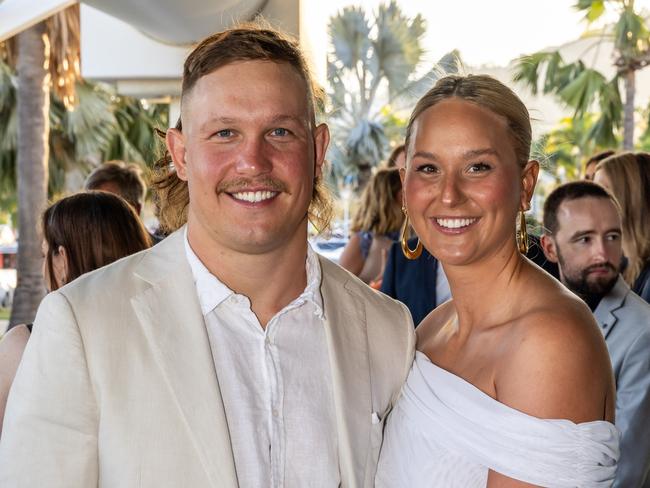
(455, 223)
(254, 196)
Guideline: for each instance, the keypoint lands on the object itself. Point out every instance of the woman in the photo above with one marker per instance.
(511, 384)
(81, 233)
(627, 176)
(376, 226)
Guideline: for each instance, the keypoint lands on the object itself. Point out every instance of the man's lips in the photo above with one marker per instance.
(254, 196)
(601, 269)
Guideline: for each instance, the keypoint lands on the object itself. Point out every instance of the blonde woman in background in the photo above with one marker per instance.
(375, 227)
(627, 177)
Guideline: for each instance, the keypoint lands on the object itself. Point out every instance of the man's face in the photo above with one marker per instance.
(587, 245)
(250, 154)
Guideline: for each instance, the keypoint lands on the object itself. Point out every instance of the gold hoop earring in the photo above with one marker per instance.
(522, 235)
(409, 253)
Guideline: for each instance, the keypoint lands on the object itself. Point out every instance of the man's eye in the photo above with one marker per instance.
(280, 132)
(224, 133)
(583, 240)
(613, 237)
(479, 167)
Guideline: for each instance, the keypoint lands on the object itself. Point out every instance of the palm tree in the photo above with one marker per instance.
(51, 121)
(565, 148)
(372, 74)
(586, 89)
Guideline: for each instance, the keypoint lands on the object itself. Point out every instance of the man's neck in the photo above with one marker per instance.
(592, 300)
(270, 280)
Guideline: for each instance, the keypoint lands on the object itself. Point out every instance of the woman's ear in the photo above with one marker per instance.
(528, 182)
(61, 265)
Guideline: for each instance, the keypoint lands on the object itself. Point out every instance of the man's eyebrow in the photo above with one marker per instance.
(582, 233)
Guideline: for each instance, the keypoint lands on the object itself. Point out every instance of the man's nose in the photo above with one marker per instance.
(253, 157)
(599, 249)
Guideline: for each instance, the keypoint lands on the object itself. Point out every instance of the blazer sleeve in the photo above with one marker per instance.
(49, 435)
(633, 415)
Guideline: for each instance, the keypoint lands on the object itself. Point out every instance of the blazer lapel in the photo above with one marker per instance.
(171, 318)
(605, 312)
(347, 342)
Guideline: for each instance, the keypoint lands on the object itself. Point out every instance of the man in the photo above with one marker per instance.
(229, 354)
(124, 180)
(121, 179)
(583, 234)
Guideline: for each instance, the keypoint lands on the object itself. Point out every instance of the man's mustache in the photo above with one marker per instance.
(598, 266)
(242, 184)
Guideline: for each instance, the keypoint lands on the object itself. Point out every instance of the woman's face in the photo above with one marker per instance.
(463, 185)
(601, 178)
(59, 267)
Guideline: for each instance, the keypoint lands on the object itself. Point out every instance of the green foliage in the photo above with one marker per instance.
(563, 150)
(103, 126)
(585, 89)
(371, 69)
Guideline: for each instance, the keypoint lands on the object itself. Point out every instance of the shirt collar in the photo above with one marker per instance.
(212, 292)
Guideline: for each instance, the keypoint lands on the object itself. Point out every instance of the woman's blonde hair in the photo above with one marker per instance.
(629, 175)
(379, 207)
(486, 92)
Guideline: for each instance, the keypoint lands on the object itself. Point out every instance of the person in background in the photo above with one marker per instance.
(627, 177)
(419, 283)
(81, 233)
(592, 162)
(583, 233)
(397, 158)
(120, 178)
(125, 180)
(375, 227)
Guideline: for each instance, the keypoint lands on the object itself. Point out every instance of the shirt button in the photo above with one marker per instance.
(267, 341)
(275, 412)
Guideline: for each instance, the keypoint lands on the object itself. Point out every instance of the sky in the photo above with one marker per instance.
(489, 32)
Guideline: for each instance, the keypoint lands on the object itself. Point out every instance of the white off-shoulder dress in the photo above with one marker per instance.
(444, 432)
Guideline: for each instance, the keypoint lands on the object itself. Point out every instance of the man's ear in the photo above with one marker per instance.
(549, 247)
(176, 146)
(321, 141)
(528, 182)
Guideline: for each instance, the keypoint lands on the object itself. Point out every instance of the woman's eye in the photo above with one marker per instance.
(479, 167)
(426, 168)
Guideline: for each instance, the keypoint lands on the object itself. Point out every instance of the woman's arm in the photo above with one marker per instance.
(12, 346)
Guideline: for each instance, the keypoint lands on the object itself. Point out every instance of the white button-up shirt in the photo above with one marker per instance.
(275, 383)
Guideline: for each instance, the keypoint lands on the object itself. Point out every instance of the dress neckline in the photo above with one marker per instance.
(478, 395)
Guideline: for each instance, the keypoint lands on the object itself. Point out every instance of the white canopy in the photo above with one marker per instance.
(168, 21)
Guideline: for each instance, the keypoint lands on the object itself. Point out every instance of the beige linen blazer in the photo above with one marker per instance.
(117, 387)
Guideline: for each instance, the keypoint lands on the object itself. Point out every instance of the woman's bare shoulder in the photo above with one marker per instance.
(557, 364)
